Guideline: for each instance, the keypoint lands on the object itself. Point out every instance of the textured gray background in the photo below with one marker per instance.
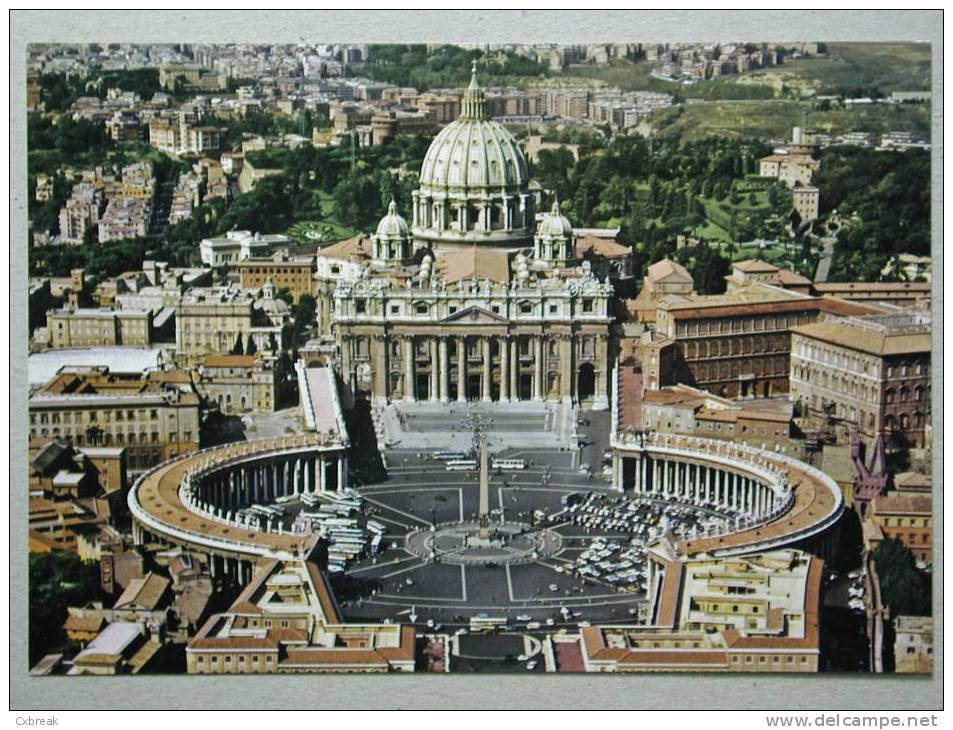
(453, 691)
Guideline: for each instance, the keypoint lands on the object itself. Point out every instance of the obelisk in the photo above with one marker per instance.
(484, 492)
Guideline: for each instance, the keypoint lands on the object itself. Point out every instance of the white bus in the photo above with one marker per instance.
(509, 464)
(447, 455)
(461, 465)
(482, 622)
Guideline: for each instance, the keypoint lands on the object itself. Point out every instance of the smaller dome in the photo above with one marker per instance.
(555, 224)
(392, 225)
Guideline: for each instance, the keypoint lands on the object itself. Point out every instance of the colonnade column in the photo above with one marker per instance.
(342, 472)
(444, 371)
(461, 369)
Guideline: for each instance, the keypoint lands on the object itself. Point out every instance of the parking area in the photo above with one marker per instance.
(421, 491)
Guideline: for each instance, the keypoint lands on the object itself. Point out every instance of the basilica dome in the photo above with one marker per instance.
(474, 154)
(474, 182)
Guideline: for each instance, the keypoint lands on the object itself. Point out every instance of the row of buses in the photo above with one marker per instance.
(459, 461)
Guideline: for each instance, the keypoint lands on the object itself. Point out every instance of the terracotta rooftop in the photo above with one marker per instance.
(756, 266)
(230, 361)
(912, 480)
(667, 268)
(359, 246)
(742, 303)
(903, 504)
(145, 593)
(838, 287)
(862, 339)
(600, 246)
(492, 264)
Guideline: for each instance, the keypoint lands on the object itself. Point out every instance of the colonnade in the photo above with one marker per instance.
(696, 483)
(261, 481)
(226, 568)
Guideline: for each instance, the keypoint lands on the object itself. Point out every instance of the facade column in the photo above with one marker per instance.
(515, 370)
(538, 368)
(617, 462)
(566, 384)
(504, 369)
(409, 368)
(322, 480)
(434, 370)
(487, 369)
(444, 372)
(461, 369)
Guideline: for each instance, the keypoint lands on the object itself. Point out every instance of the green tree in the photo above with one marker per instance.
(303, 315)
(57, 580)
(903, 587)
(707, 267)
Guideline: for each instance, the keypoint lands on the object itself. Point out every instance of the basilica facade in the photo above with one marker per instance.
(479, 298)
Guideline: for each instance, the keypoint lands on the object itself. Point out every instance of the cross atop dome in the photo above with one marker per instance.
(474, 84)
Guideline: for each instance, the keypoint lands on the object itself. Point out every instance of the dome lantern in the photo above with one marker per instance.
(473, 105)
